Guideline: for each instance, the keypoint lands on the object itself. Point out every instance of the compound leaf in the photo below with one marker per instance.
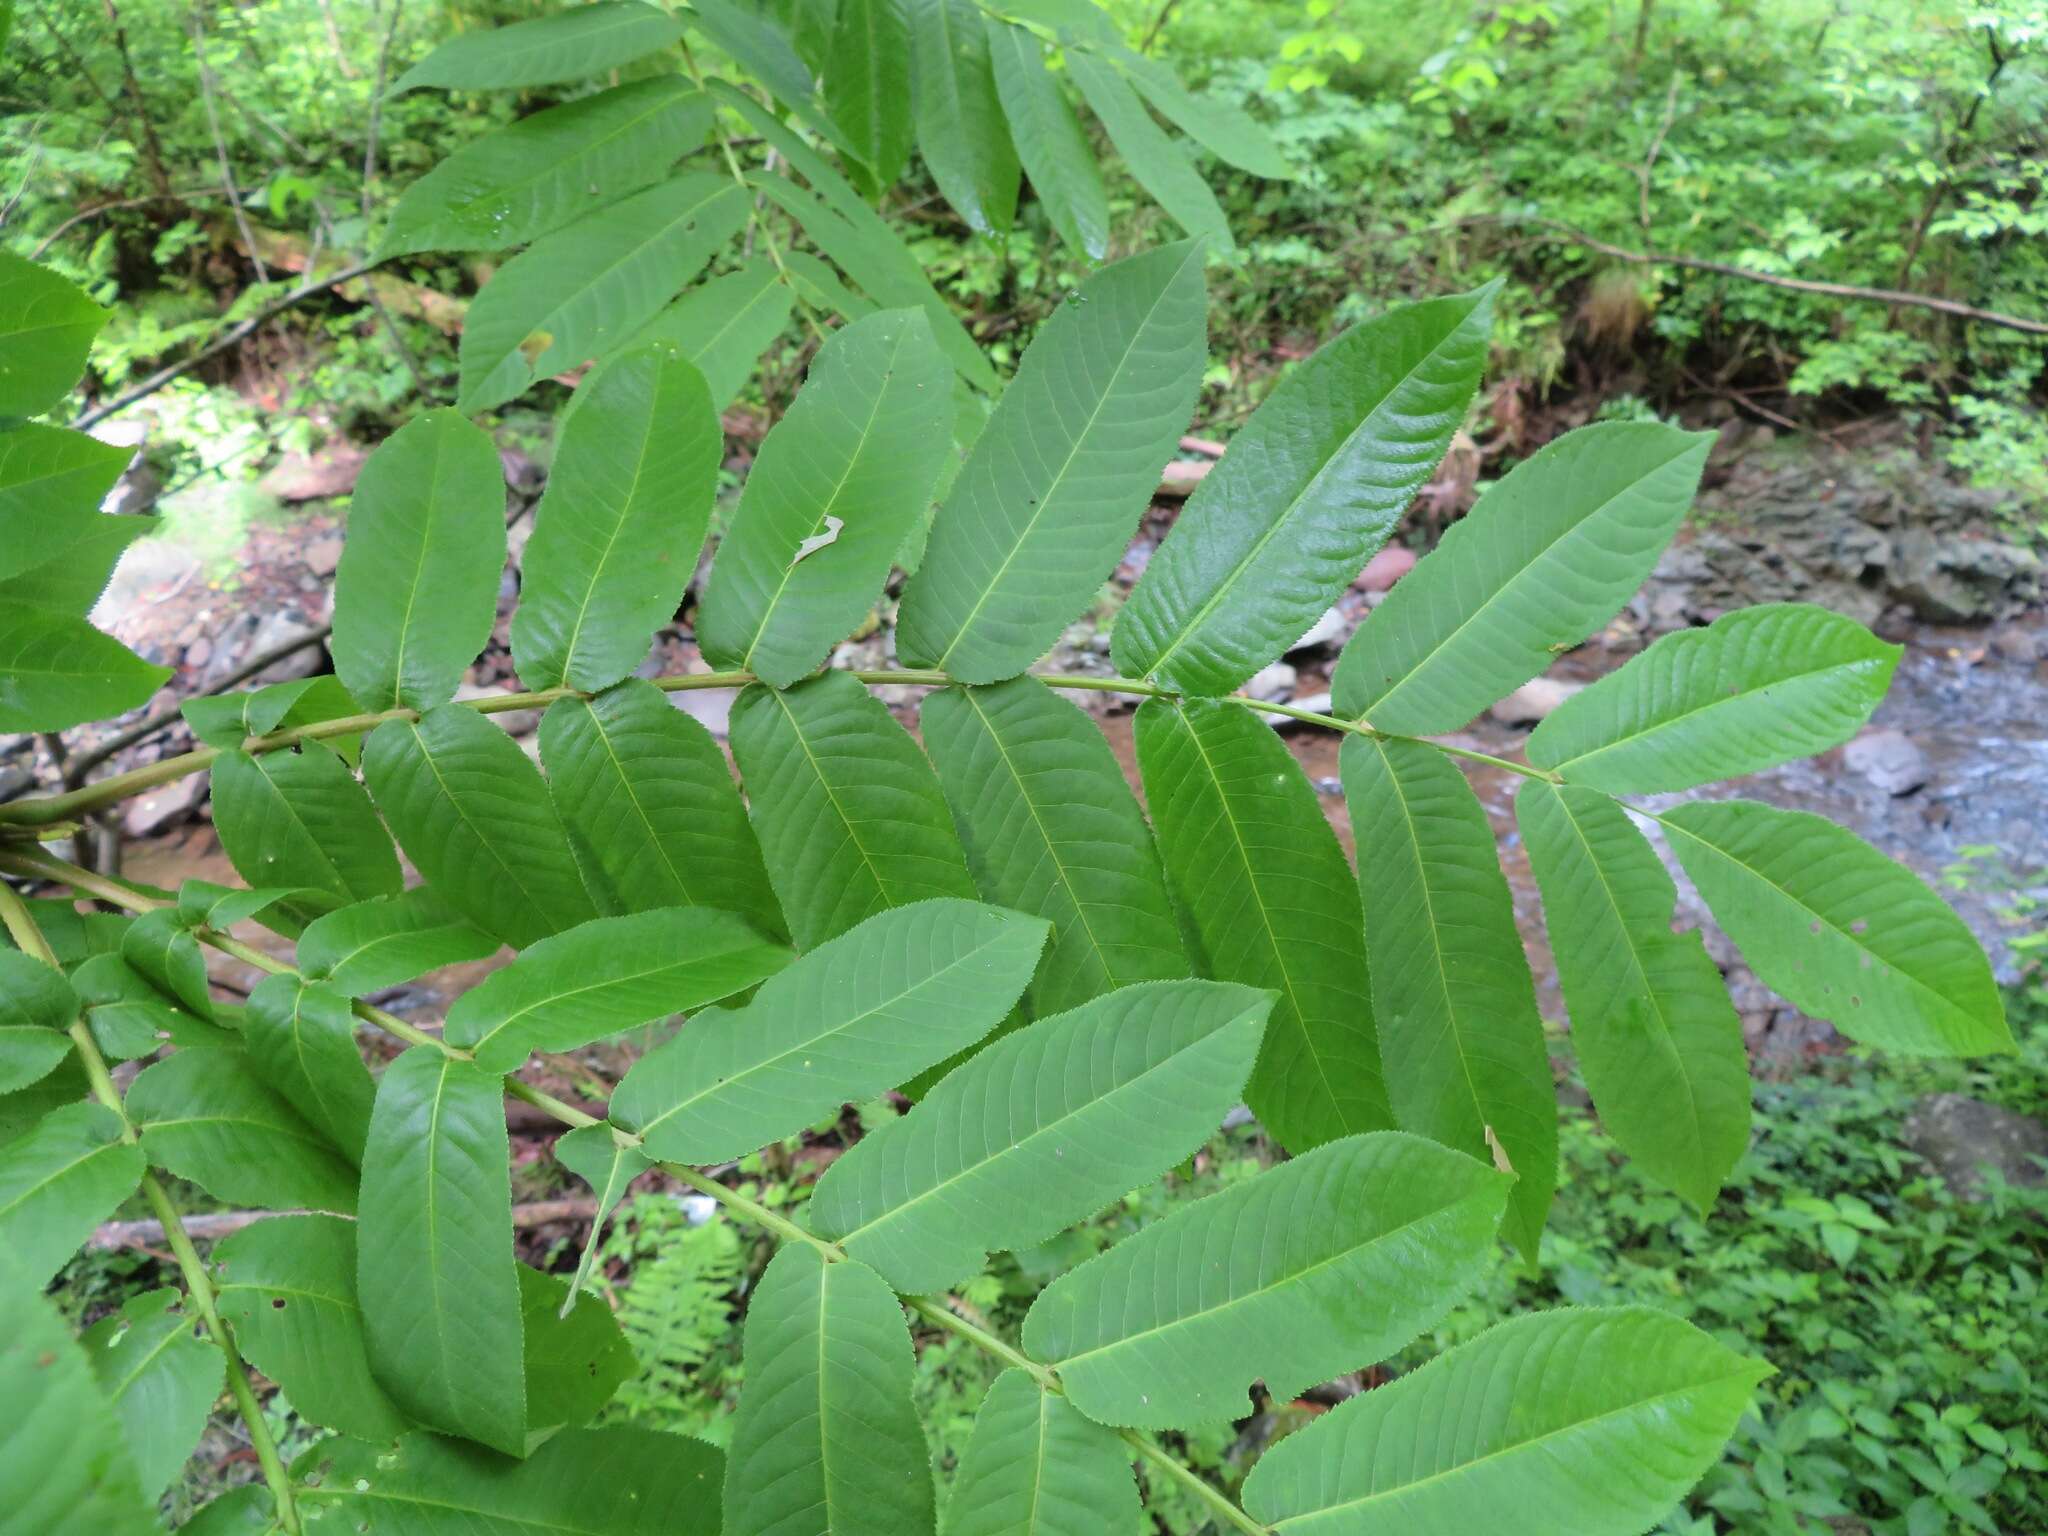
(417, 589)
(854, 458)
(1051, 828)
(1839, 930)
(377, 944)
(434, 1270)
(568, 45)
(617, 533)
(1459, 1032)
(1266, 885)
(825, 1438)
(1757, 687)
(850, 817)
(1584, 1423)
(474, 815)
(1654, 1032)
(287, 1285)
(1547, 556)
(301, 819)
(518, 183)
(210, 1116)
(59, 1181)
(1317, 1266)
(607, 975)
(651, 794)
(1036, 1466)
(1311, 487)
(1045, 503)
(565, 298)
(1042, 1129)
(850, 1019)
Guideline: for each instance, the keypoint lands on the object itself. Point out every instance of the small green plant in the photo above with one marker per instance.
(1076, 990)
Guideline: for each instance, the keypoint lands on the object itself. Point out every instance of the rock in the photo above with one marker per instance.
(1332, 629)
(15, 781)
(1889, 759)
(157, 809)
(2015, 644)
(323, 555)
(149, 571)
(1957, 1135)
(250, 636)
(514, 722)
(1178, 480)
(199, 652)
(1385, 568)
(1533, 701)
(330, 471)
(1272, 683)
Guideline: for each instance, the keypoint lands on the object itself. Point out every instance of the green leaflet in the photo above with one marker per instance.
(616, 535)
(46, 327)
(160, 1376)
(434, 1269)
(569, 45)
(576, 1355)
(203, 904)
(856, 237)
(598, 1157)
(767, 56)
(849, 815)
(301, 1038)
(131, 1017)
(161, 950)
(1839, 930)
(64, 1470)
(1160, 166)
(1050, 141)
(867, 84)
(960, 129)
(607, 975)
(287, 1286)
(1266, 885)
(210, 1116)
(472, 812)
(560, 301)
(825, 1438)
(1311, 487)
(1042, 1129)
(1655, 1034)
(1315, 1267)
(1758, 687)
(723, 326)
(650, 792)
(518, 183)
(1217, 125)
(301, 819)
(1051, 828)
(1035, 1466)
(227, 720)
(25, 1109)
(839, 483)
(52, 482)
(1459, 1032)
(417, 589)
(1047, 498)
(378, 944)
(71, 578)
(1547, 556)
(848, 1020)
(37, 1006)
(583, 1482)
(1583, 1423)
(56, 670)
(58, 1182)
(244, 1511)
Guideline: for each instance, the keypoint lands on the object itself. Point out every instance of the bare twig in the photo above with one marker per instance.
(152, 147)
(220, 146)
(97, 209)
(232, 337)
(377, 106)
(1851, 291)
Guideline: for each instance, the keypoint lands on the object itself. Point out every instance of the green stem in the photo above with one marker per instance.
(42, 810)
(21, 925)
(1218, 1501)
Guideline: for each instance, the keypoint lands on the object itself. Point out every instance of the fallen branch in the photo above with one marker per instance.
(1850, 291)
(217, 1224)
